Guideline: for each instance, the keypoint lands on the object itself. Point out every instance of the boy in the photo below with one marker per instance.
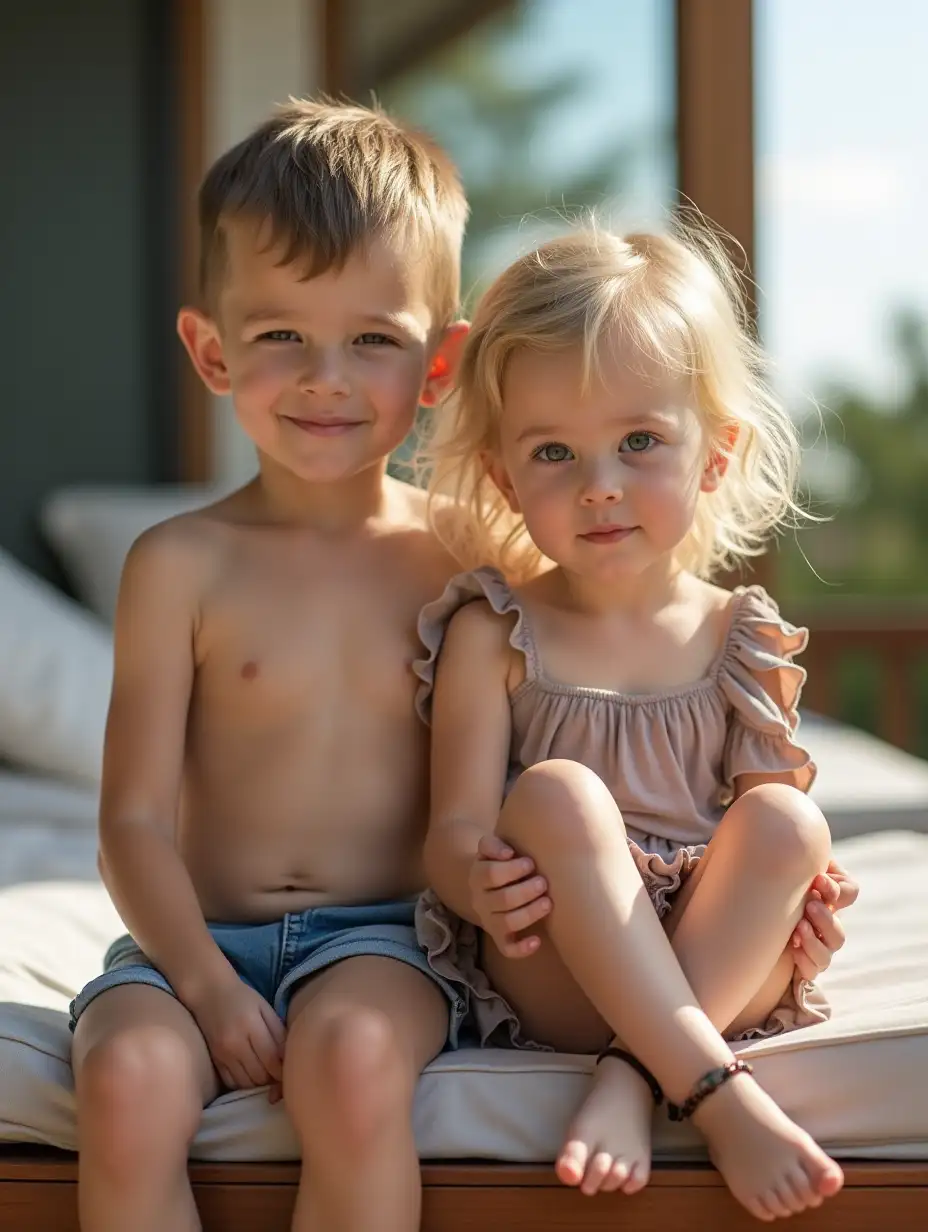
(265, 776)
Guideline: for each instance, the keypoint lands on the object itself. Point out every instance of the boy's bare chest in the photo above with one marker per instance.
(272, 641)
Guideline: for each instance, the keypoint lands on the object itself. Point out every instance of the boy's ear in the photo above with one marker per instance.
(500, 477)
(717, 461)
(444, 364)
(200, 337)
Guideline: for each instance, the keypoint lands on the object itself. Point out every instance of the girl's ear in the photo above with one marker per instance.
(200, 336)
(444, 364)
(718, 458)
(500, 477)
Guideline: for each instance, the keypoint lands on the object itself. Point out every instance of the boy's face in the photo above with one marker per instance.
(325, 373)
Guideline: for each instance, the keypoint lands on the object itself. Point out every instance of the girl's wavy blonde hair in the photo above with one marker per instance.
(677, 300)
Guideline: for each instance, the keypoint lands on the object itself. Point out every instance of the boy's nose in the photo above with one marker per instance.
(324, 373)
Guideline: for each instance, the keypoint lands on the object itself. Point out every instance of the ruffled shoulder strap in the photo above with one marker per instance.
(464, 588)
(763, 685)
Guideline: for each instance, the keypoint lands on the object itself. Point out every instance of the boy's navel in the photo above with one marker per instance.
(249, 670)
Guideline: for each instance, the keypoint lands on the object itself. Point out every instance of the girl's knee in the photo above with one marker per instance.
(346, 1074)
(786, 831)
(560, 803)
(141, 1087)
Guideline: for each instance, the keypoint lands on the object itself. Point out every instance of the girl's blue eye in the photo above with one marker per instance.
(638, 442)
(279, 335)
(552, 452)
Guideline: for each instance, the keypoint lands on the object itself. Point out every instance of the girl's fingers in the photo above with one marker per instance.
(828, 926)
(815, 950)
(512, 897)
(525, 917)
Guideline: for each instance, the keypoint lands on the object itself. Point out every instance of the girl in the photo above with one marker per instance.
(614, 742)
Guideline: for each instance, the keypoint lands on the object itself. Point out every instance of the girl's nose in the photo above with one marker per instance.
(602, 485)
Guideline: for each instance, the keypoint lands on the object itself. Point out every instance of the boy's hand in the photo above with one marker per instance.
(820, 934)
(244, 1036)
(507, 896)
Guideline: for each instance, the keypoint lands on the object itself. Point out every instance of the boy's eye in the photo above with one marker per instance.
(376, 339)
(553, 451)
(638, 442)
(279, 335)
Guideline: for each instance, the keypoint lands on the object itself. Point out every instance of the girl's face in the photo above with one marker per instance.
(606, 479)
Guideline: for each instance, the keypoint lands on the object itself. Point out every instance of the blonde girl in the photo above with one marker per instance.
(623, 856)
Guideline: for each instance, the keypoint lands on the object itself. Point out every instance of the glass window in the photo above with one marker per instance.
(548, 107)
(842, 255)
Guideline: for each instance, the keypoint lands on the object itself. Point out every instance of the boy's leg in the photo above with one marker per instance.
(359, 1035)
(142, 1075)
(606, 932)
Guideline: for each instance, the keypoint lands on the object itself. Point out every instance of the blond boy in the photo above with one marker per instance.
(265, 776)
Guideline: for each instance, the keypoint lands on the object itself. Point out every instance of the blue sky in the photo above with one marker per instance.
(841, 160)
(842, 174)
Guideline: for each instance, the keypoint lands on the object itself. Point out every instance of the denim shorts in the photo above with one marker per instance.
(273, 958)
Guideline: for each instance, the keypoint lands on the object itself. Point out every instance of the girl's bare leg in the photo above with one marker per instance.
(605, 931)
(143, 1074)
(728, 927)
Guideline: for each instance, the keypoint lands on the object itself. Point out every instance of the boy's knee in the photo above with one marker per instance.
(561, 803)
(346, 1074)
(141, 1086)
(786, 830)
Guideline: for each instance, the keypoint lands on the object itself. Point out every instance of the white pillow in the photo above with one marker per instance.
(92, 530)
(56, 669)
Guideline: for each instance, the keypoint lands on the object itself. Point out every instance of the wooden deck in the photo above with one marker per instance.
(38, 1194)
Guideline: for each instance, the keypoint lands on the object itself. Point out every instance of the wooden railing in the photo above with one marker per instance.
(891, 638)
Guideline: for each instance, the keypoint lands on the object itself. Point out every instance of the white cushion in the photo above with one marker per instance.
(92, 530)
(858, 1083)
(55, 677)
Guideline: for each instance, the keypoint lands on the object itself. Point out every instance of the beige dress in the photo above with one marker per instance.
(670, 760)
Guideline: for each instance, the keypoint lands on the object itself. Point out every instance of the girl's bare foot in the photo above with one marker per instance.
(608, 1145)
(770, 1165)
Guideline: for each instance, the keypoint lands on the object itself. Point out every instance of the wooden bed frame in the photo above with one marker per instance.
(38, 1194)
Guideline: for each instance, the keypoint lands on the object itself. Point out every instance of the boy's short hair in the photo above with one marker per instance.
(329, 177)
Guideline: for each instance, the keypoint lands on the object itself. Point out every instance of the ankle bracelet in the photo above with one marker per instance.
(621, 1055)
(705, 1086)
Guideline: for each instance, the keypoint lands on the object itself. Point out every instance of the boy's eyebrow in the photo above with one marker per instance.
(655, 416)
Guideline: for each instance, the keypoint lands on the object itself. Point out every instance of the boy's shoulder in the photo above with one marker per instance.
(185, 548)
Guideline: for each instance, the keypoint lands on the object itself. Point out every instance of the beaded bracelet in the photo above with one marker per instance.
(621, 1055)
(705, 1086)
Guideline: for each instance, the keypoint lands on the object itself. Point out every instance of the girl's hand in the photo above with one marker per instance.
(820, 934)
(507, 896)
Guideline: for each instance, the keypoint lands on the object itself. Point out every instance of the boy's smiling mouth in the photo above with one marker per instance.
(334, 425)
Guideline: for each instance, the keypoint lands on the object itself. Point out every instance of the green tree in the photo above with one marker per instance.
(875, 540)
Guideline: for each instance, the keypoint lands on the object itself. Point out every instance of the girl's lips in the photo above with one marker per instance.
(608, 534)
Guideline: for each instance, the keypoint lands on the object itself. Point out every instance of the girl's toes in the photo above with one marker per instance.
(801, 1187)
(616, 1178)
(638, 1177)
(599, 1168)
(774, 1205)
(789, 1198)
(571, 1163)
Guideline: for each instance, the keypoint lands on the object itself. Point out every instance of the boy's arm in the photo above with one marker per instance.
(471, 731)
(143, 761)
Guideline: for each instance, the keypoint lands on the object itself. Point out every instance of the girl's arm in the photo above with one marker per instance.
(471, 730)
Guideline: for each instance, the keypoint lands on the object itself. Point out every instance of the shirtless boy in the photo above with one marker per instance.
(265, 775)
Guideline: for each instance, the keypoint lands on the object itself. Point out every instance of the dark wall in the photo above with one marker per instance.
(85, 290)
